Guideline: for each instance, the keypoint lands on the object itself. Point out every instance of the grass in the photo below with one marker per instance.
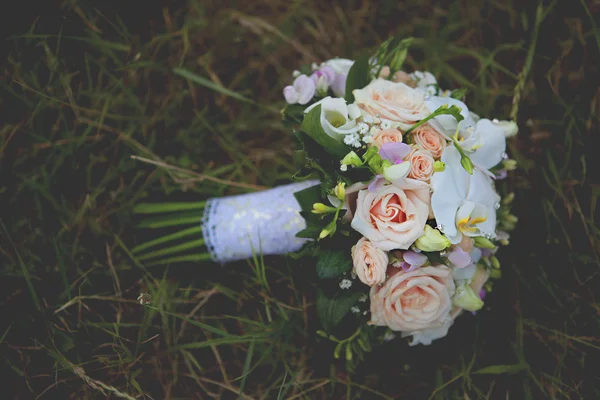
(108, 108)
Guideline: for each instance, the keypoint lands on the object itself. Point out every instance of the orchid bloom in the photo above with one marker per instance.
(484, 141)
(463, 204)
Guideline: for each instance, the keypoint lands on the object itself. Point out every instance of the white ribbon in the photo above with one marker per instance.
(236, 227)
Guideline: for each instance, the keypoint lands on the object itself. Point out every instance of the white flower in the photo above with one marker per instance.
(447, 124)
(345, 284)
(388, 336)
(355, 309)
(463, 204)
(341, 66)
(483, 141)
(337, 117)
(425, 81)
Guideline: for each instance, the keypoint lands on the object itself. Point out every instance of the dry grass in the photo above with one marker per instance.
(83, 94)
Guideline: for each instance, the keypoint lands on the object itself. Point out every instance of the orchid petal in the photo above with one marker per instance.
(376, 183)
(396, 172)
(493, 144)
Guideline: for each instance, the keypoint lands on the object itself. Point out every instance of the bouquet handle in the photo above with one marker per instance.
(236, 227)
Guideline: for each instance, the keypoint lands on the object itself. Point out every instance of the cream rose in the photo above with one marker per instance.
(386, 136)
(394, 216)
(421, 165)
(426, 336)
(370, 263)
(429, 139)
(393, 101)
(413, 301)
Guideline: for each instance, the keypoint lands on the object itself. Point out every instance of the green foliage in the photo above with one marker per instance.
(358, 77)
(332, 264)
(331, 310)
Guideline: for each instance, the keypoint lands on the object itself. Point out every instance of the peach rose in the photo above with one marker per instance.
(428, 139)
(386, 136)
(426, 336)
(421, 165)
(394, 216)
(393, 101)
(370, 263)
(399, 76)
(413, 301)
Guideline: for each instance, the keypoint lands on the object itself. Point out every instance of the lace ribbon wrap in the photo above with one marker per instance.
(266, 223)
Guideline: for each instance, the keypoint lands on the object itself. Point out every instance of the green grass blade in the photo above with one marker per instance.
(246, 369)
(61, 267)
(172, 220)
(185, 258)
(167, 238)
(211, 85)
(24, 271)
(156, 208)
(174, 249)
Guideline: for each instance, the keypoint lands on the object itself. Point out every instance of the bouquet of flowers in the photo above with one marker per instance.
(398, 203)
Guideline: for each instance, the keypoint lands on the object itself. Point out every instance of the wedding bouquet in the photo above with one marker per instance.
(398, 203)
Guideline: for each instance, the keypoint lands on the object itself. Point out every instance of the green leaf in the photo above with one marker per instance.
(395, 58)
(459, 94)
(332, 264)
(503, 369)
(307, 197)
(312, 127)
(442, 110)
(358, 77)
(331, 311)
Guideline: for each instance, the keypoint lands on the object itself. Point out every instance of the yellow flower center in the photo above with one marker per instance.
(467, 224)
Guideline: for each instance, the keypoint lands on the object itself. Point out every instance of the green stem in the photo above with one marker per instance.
(185, 258)
(170, 250)
(155, 208)
(167, 238)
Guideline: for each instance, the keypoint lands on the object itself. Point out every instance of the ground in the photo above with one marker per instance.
(198, 85)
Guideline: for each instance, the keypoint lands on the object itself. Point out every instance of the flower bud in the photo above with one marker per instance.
(494, 261)
(484, 243)
(340, 191)
(329, 230)
(466, 298)
(508, 199)
(352, 159)
(495, 273)
(432, 240)
(320, 208)
(509, 165)
(439, 166)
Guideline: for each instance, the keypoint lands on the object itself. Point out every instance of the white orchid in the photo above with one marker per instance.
(463, 204)
(341, 66)
(337, 118)
(482, 140)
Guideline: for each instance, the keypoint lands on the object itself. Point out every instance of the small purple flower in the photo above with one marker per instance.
(482, 294)
(460, 258)
(394, 152)
(301, 92)
(325, 71)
